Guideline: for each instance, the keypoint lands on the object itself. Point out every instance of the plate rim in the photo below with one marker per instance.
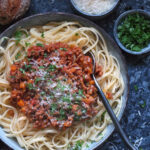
(102, 31)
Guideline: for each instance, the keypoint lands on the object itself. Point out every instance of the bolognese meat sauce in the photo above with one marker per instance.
(52, 85)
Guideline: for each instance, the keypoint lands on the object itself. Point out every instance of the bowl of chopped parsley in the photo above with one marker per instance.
(132, 31)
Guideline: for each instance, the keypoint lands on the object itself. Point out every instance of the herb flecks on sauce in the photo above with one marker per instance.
(134, 32)
(49, 88)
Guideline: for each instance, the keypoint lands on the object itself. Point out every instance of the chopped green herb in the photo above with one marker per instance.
(26, 34)
(12, 77)
(69, 107)
(40, 44)
(30, 86)
(103, 114)
(134, 32)
(42, 35)
(63, 49)
(41, 67)
(23, 48)
(78, 145)
(84, 110)
(18, 55)
(51, 68)
(50, 81)
(27, 44)
(76, 117)
(51, 96)
(53, 107)
(26, 55)
(22, 70)
(33, 69)
(74, 94)
(43, 93)
(37, 80)
(47, 75)
(100, 134)
(78, 98)
(76, 34)
(5, 38)
(45, 55)
(27, 67)
(80, 92)
(87, 146)
(66, 99)
(61, 118)
(84, 77)
(18, 35)
(143, 105)
(92, 141)
(69, 147)
(64, 79)
(62, 112)
(135, 88)
(60, 86)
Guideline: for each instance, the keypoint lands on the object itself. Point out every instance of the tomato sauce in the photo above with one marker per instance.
(53, 86)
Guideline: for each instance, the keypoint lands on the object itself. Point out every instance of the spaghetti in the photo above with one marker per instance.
(80, 135)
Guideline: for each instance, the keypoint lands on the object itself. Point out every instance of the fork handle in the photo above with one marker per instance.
(113, 117)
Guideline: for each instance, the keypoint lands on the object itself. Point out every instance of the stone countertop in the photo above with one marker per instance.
(136, 119)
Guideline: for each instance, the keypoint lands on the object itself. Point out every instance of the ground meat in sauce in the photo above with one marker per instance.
(52, 85)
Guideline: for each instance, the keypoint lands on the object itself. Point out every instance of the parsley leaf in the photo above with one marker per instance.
(136, 88)
(42, 35)
(51, 68)
(27, 67)
(62, 114)
(53, 107)
(80, 92)
(66, 99)
(22, 70)
(76, 34)
(40, 44)
(37, 80)
(78, 145)
(27, 44)
(41, 67)
(18, 55)
(103, 115)
(143, 105)
(43, 93)
(30, 86)
(63, 49)
(18, 35)
(92, 141)
(45, 55)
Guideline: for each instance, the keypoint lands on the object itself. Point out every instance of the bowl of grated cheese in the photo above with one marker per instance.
(94, 9)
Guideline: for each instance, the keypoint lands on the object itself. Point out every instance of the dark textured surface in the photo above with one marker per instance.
(136, 120)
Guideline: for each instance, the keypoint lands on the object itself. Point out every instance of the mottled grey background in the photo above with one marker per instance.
(136, 119)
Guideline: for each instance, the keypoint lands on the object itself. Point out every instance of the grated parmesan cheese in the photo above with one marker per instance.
(95, 7)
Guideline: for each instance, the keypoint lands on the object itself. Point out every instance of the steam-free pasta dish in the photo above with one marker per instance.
(95, 7)
(48, 99)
